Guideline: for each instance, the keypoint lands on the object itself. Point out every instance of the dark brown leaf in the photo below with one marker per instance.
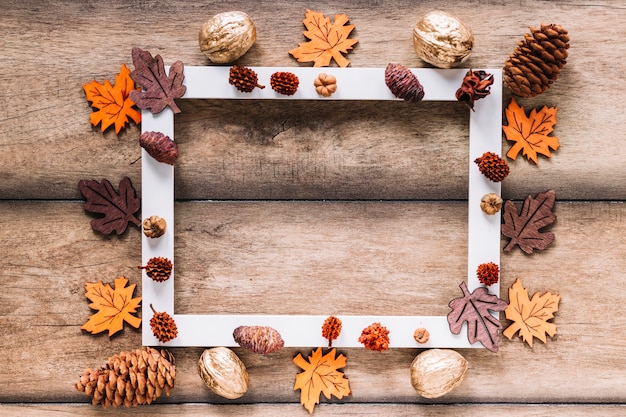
(475, 309)
(160, 89)
(118, 209)
(524, 229)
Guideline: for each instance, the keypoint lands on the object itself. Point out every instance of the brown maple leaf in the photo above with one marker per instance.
(115, 306)
(530, 316)
(118, 209)
(524, 228)
(530, 134)
(327, 40)
(112, 101)
(475, 309)
(320, 375)
(160, 88)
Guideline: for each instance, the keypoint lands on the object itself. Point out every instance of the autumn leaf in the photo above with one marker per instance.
(524, 228)
(530, 316)
(327, 40)
(115, 306)
(118, 209)
(160, 88)
(320, 375)
(530, 134)
(112, 101)
(475, 309)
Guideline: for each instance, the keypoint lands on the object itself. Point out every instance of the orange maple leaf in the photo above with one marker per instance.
(320, 376)
(327, 40)
(530, 133)
(114, 306)
(113, 102)
(530, 316)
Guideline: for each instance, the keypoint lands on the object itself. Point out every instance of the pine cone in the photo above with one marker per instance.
(375, 337)
(159, 146)
(492, 166)
(244, 79)
(163, 326)
(403, 83)
(488, 274)
(159, 269)
(284, 83)
(537, 60)
(258, 339)
(476, 85)
(130, 378)
(331, 329)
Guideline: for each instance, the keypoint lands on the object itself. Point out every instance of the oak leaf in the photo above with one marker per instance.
(530, 134)
(474, 308)
(524, 228)
(320, 375)
(530, 316)
(115, 306)
(327, 40)
(112, 101)
(118, 208)
(160, 88)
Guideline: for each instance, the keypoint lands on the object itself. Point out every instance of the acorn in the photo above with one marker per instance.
(163, 326)
(403, 83)
(492, 166)
(158, 269)
(258, 339)
(284, 83)
(244, 79)
(159, 146)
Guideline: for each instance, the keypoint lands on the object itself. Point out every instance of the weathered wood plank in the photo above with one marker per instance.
(50, 252)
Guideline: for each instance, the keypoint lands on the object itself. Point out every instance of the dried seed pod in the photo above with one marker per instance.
(403, 83)
(488, 274)
(223, 372)
(258, 339)
(492, 166)
(331, 329)
(436, 372)
(491, 203)
(475, 85)
(158, 268)
(375, 337)
(442, 40)
(159, 146)
(244, 79)
(154, 227)
(284, 83)
(325, 84)
(227, 36)
(163, 326)
(421, 335)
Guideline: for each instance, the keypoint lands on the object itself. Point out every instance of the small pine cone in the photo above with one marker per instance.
(331, 329)
(492, 166)
(244, 79)
(537, 60)
(375, 337)
(476, 85)
(284, 83)
(403, 83)
(159, 269)
(154, 227)
(488, 274)
(131, 378)
(159, 146)
(163, 326)
(258, 339)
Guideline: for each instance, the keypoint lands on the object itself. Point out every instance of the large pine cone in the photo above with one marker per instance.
(537, 61)
(130, 378)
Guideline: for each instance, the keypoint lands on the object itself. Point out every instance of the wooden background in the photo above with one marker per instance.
(359, 206)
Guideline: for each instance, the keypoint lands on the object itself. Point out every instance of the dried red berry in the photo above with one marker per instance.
(159, 146)
(159, 269)
(488, 274)
(492, 166)
(375, 337)
(284, 83)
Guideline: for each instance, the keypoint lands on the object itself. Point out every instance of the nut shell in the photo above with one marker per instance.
(223, 372)
(227, 36)
(442, 40)
(436, 372)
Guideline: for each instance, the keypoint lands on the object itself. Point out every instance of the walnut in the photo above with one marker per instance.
(436, 372)
(227, 36)
(223, 372)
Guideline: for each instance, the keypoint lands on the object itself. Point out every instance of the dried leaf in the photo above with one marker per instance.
(118, 209)
(530, 134)
(160, 89)
(327, 40)
(115, 306)
(112, 101)
(530, 316)
(475, 309)
(524, 229)
(320, 375)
